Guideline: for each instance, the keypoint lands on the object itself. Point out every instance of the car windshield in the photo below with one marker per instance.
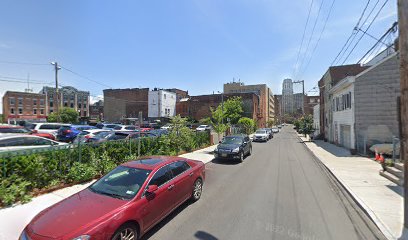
(202, 126)
(232, 140)
(122, 182)
(14, 130)
(260, 132)
(111, 126)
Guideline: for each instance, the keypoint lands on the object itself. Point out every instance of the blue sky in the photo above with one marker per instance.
(196, 45)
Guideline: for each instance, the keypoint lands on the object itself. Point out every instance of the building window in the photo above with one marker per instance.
(72, 105)
(65, 104)
(34, 102)
(35, 111)
(12, 101)
(42, 102)
(164, 96)
(20, 111)
(20, 101)
(85, 113)
(42, 111)
(51, 111)
(79, 105)
(12, 110)
(51, 104)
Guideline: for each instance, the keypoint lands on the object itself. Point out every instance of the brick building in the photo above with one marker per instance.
(310, 102)
(69, 97)
(96, 111)
(24, 106)
(198, 107)
(179, 93)
(277, 102)
(125, 103)
(266, 100)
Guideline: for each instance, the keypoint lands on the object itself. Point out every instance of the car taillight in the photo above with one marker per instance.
(87, 136)
(66, 131)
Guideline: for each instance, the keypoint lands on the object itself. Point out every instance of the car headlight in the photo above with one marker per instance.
(82, 237)
(235, 150)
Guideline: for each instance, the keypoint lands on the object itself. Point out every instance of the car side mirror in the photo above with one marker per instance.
(219, 141)
(151, 189)
(245, 142)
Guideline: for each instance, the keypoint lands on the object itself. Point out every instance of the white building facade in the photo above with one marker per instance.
(343, 118)
(316, 119)
(161, 104)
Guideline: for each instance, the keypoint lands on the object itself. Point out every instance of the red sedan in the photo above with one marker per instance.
(124, 204)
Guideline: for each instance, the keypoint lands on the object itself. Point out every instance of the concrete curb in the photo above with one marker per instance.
(380, 225)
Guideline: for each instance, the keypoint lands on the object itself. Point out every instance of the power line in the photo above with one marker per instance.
(320, 36)
(375, 17)
(84, 77)
(23, 63)
(303, 36)
(356, 29)
(25, 82)
(311, 36)
(353, 33)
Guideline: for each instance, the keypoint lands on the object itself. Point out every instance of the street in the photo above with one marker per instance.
(279, 192)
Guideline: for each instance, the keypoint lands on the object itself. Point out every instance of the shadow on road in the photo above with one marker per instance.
(333, 149)
(397, 189)
(225, 161)
(204, 236)
(166, 220)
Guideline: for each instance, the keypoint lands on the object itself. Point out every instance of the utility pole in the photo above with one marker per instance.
(403, 48)
(140, 133)
(56, 67)
(303, 94)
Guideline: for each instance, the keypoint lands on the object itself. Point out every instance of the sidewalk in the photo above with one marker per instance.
(379, 197)
(14, 219)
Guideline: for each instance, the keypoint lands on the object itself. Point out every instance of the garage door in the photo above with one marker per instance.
(345, 136)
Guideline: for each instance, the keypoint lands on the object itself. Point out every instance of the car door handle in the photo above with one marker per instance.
(191, 174)
(170, 187)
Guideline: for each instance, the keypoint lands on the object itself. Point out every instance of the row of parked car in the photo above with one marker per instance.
(41, 135)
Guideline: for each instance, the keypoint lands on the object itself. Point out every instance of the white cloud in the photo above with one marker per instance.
(94, 99)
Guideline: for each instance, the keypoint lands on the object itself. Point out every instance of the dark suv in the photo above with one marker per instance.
(234, 147)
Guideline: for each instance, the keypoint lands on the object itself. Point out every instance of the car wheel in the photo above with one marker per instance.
(197, 190)
(241, 156)
(250, 151)
(126, 232)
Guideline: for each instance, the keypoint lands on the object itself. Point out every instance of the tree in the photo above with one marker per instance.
(205, 121)
(66, 115)
(217, 120)
(247, 123)
(233, 109)
(270, 123)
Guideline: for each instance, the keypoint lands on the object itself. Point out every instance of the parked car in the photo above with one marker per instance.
(44, 135)
(25, 142)
(125, 128)
(51, 128)
(261, 135)
(275, 130)
(279, 126)
(128, 201)
(269, 131)
(107, 136)
(159, 132)
(69, 133)
(203, 128)
(85, 134)
(166, 127)
(13, 129)
(141, 134)
(107, 126)
(234, 147)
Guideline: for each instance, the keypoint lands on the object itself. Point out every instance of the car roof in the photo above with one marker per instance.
(152, 162)
(10, 126)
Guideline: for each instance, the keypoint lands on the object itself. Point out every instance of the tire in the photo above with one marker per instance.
(197, 190)
(241, 156)
(125, 232)
(250, 151)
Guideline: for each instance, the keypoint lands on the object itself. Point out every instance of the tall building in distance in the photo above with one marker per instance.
(266, 100)
(287, 104)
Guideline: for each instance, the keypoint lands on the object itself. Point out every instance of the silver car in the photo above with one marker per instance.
(26, 142)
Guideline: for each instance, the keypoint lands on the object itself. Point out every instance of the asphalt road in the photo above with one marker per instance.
(280, 192)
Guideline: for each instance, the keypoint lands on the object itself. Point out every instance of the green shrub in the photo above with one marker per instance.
(80, 172)
(14, 189)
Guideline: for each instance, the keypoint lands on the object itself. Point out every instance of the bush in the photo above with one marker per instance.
(20, 175)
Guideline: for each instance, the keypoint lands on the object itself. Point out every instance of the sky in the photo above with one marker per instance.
(194, 45)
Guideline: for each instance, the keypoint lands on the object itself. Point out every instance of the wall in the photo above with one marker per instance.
(343, 117)
(316, 118)
(27, 106)
(376, 92)
(119, 103)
